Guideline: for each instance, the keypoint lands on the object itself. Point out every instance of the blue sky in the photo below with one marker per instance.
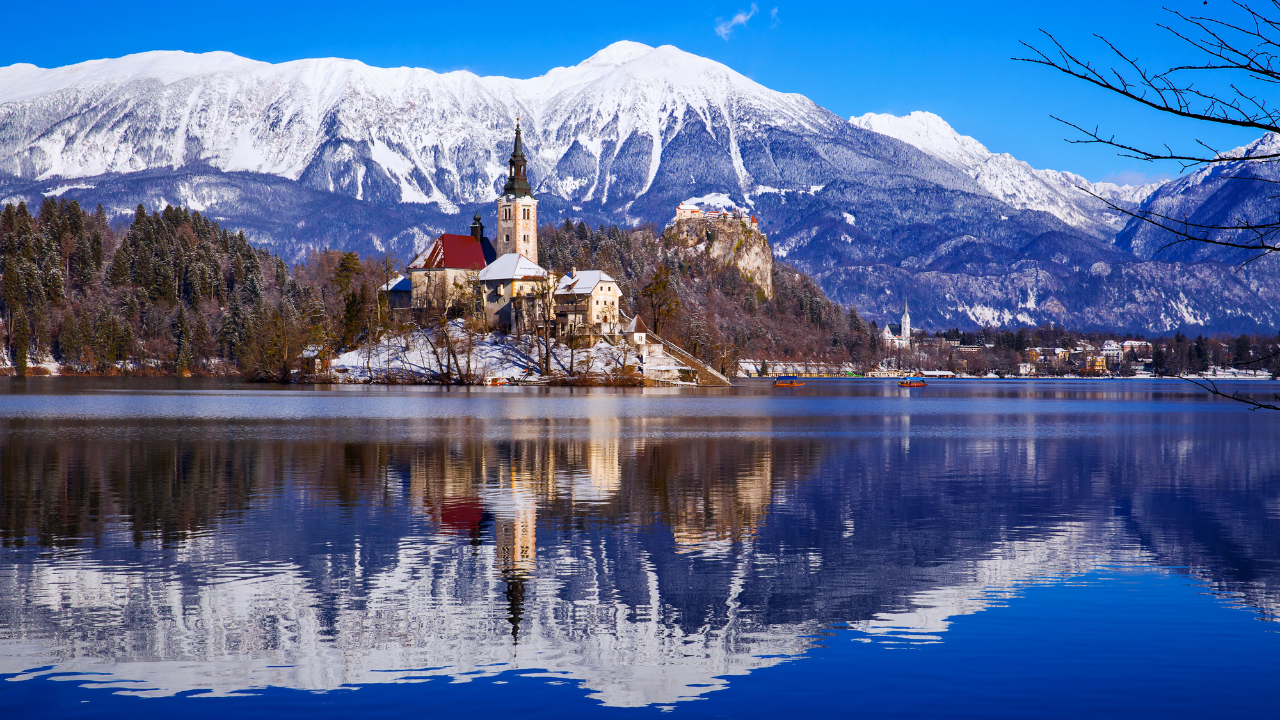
(851, 57)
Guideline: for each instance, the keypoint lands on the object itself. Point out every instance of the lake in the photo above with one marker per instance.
(982, 549)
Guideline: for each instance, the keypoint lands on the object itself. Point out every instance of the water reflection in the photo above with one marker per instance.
(651, 557)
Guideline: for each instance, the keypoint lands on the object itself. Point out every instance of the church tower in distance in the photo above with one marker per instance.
(517, 209)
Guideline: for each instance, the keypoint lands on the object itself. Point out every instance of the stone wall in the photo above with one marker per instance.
(731, 242)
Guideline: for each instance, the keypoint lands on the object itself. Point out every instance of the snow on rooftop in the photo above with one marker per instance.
(512, 266)
(399, 283)
(582, 281)
(635, 326)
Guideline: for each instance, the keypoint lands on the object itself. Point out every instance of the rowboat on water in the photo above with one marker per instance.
(787, 381)
(912, 382)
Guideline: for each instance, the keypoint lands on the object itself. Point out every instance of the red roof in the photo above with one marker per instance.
(460, 252)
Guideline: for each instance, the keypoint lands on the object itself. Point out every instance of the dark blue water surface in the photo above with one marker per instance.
(971, 549)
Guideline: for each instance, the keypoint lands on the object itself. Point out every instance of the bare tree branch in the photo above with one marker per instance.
(1265, 237)
(1210, 387)
(1247, 50)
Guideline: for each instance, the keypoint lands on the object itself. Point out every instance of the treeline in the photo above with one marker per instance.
(708, 308)
(171, 293)
(1179, 354)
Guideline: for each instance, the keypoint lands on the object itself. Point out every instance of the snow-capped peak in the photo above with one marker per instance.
(168, 66)
(1066, 195)
(621, 52)
(929, 133)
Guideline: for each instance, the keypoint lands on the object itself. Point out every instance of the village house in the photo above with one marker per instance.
(1047, 354)
(444, 270)
(586, 305)
(1112, 351)
(512, 291)
(1095, 365)
(399, 292)
(1140, 348)
(652, 359)
(315, 360)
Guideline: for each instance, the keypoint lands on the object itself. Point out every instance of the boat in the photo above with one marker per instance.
(787, 381)
(912, 382)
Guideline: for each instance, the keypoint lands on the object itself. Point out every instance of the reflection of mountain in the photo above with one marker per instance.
(648, 559)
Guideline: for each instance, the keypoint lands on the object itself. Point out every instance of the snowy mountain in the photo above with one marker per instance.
(601, 132)
(1062, 194)
(1220, 195)
(335, 153)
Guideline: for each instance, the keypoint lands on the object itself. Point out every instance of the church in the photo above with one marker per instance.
(899, 335)
(513, 292)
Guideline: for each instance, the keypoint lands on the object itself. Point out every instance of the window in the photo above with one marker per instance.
(526, 213)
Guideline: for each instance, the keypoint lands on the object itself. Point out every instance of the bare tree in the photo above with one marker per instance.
(1235, 64)
(661, 295)
(540, 304)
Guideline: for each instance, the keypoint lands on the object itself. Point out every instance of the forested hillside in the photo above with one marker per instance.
(174, 293)
(710, 308)
(171, 293)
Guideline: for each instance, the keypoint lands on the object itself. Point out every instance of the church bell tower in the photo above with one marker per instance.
(517, 208)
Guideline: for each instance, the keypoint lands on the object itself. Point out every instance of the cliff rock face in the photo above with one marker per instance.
(730, 242)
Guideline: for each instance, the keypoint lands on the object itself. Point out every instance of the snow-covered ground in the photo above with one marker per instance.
(423, 355)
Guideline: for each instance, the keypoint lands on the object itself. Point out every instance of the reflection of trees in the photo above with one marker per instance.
(723, 543)
(867, 509)
(62, 493)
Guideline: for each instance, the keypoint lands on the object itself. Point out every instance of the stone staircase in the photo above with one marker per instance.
(705, 373)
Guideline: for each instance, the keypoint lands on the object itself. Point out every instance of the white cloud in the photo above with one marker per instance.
(773, 15)
(724, 28)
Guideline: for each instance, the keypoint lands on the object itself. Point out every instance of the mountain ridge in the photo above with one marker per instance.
(402, 154)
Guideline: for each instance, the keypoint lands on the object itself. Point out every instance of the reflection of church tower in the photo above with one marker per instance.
(517, 208)
(515, 603)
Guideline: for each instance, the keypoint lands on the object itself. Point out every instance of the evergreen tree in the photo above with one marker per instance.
(201, 339)
(234, 330)
(1243, 351)
(118, 275)
(855, 322)
(182, 333)
(21, 341)
(70, 341)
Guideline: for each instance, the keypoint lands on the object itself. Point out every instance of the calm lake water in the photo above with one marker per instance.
(971, 549)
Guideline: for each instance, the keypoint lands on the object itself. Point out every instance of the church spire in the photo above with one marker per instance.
(517, 178)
